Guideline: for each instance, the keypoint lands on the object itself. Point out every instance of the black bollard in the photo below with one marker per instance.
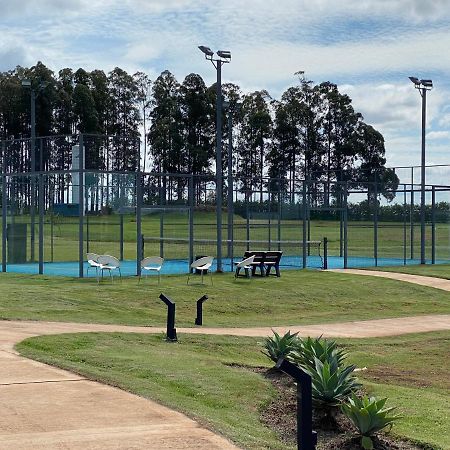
(171, 330)
(199, 318)
(306, 437)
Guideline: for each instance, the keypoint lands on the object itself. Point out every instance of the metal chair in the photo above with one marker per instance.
(245, 264)
(152, 263)
(202, 264)
(109, 263)
(92, 259)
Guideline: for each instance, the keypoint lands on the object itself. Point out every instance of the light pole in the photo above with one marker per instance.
(223, 57)
(230, 204)
(422, 86)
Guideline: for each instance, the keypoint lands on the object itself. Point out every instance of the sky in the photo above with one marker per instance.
(367, 47)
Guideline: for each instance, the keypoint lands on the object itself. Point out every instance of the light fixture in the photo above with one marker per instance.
(226, 54)
(206, 50)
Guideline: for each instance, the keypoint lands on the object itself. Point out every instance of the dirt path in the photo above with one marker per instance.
(434, 282)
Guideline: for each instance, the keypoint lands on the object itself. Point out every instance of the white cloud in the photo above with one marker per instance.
(437, 135)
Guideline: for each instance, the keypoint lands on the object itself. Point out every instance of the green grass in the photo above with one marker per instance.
(203, 377)
(298, 297)
(104, 235)
(431, 270)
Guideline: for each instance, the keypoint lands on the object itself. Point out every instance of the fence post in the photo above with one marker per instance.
(138, 191)
(4, 206)
(411, 215)
(191, 219)
(325, 253)
(81, 208)
(433, 225)
(404, 224)
(345, 226)
(41, 223)
(375, 224)
(280, 214)
(121, 235)
(305, 211)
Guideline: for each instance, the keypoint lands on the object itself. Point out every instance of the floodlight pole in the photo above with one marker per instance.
(223, 57)
(422, 179)
(422, 86)
(219, 168)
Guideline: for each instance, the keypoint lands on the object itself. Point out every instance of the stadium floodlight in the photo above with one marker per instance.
(225, 54)
(422, 86)
(206, 50)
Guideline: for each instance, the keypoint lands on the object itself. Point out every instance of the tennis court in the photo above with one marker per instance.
(181, 266)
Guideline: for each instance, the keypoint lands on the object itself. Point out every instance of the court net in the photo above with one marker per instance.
(233, 250)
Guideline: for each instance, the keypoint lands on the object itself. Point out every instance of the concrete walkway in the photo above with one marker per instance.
(42, 407)
(434, 282)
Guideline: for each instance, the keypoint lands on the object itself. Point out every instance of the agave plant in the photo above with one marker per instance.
(280, 346)
(332, 383)
(310, 349)
(369, 415)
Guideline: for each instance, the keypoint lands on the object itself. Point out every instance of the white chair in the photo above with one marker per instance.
(154, 263)
(109, 263)
(92, 259)
(202, 264)
(245, 264)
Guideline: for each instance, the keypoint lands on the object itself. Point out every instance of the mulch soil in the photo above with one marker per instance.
(335, 434)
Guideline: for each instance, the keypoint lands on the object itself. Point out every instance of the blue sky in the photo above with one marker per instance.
(368, 47)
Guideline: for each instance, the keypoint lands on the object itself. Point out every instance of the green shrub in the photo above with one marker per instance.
(331, 382)
(310, 349)
(369, 415)
(280, 346)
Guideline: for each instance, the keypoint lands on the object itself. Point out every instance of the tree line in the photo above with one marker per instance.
(311, 132)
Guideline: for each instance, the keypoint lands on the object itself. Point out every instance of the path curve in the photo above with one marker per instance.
(42, 407)
(434, 282)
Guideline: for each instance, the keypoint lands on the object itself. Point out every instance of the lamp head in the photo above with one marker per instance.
(415, 80)
(26, 83)
(206, 50)
(427, 83)
(225, 54)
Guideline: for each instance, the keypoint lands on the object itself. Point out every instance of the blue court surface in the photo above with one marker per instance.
(128, 267)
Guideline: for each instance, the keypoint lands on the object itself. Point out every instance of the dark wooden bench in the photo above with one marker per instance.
(264, 261)
(258, 262)
(272, 259)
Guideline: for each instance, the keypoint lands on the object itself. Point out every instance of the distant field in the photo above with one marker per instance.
(104, 235)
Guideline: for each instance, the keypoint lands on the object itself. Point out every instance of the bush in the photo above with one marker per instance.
(310, 349)
(278, 346)
(369, 415)
(332, 383)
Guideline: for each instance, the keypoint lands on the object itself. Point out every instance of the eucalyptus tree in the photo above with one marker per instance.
(144, 85)
(124, 119)
(254, 141)
(197, 112)
(165, 135)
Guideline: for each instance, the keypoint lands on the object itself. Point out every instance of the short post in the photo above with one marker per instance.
(325, 253)
(171, 330)
(306, 437)
(199, 318)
